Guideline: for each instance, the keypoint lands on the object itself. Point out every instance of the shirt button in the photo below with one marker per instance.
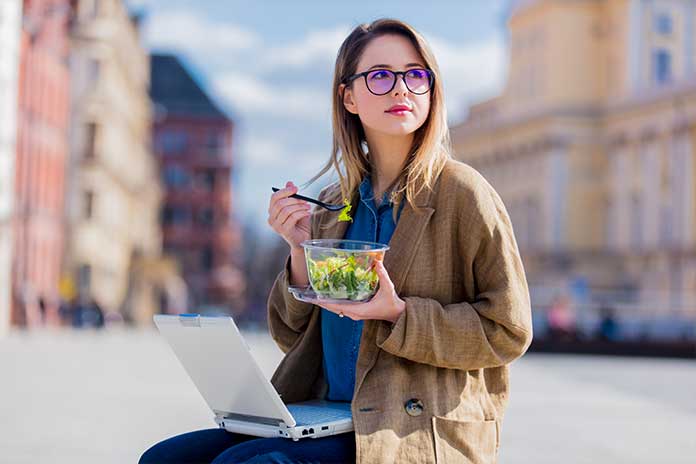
(414, 407)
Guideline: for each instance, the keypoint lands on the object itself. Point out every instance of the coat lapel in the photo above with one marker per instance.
(397, 261)
(404, 242)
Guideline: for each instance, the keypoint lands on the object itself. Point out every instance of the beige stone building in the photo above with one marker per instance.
(591, 145)
(114, 194)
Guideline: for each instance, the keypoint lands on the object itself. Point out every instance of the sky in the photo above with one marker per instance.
(270, 66)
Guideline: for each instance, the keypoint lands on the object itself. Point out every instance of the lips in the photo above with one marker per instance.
(398, 108)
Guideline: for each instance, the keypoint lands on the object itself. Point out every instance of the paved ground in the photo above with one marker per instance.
(88, 397)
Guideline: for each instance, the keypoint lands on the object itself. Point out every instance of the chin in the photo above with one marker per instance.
(395, 128)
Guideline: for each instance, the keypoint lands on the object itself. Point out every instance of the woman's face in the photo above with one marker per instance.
(396, 53)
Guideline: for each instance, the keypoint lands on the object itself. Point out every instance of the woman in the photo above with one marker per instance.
(424, 363)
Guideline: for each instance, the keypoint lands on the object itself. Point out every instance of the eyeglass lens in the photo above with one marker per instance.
(381, 81)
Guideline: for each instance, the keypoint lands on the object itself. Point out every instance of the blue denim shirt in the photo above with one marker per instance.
(341, 335)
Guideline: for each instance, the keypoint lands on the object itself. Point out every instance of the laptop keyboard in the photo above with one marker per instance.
(309, 415)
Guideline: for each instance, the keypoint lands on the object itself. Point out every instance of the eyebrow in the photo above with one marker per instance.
(389, 66)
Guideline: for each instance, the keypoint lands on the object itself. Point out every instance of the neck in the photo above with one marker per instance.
(388, 154)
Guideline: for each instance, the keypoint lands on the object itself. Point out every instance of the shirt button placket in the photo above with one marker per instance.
(353, 353)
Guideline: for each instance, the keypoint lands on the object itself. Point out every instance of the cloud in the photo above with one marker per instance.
(206, 40)
(187, 31)
(262, 151)
(317, 45)
(250, 94)
(271, 152)
(471, 72)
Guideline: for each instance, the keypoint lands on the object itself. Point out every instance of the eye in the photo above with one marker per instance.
(417, 74)
(380, 75)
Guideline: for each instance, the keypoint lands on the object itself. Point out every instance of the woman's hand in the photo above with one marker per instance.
(290, 217)
(384, 305)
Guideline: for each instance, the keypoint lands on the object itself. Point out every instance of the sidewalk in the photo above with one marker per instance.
(86, 397)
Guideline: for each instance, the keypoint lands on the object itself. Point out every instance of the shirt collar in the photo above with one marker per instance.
(367, 195)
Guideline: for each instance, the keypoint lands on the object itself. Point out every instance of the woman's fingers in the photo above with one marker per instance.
(285, 218)
(352, 312)
(287, 211)
(281, 194)
(292, 221)
(276, 206)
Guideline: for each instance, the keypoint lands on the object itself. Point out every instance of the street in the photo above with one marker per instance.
(88, 397)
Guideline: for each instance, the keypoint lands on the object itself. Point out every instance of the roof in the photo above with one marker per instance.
(173, 86)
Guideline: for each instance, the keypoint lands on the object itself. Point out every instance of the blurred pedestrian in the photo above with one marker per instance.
(608, 329)
(87, 313)
(561, 320)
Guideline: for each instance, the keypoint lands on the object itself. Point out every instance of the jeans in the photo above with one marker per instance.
(217, 446)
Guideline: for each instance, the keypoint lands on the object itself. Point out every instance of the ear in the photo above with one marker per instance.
(348, 101)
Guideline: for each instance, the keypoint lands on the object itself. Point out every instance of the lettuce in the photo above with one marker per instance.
(344, 212)
(342, 277)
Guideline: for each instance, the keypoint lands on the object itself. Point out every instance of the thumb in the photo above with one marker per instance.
(382, 272)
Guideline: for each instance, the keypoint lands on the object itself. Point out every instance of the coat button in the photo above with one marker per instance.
(414, 407)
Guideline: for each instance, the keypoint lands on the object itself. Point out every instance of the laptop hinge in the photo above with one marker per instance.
(248, 418)
(190, 319)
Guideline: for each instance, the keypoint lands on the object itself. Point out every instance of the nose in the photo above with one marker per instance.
(400, 86)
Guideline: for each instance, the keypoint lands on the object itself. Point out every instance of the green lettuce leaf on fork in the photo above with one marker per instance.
(343, 216)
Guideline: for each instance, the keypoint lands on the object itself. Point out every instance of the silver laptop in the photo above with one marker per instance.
(218, 360)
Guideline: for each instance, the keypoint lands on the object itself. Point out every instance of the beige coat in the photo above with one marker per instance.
(435, 386)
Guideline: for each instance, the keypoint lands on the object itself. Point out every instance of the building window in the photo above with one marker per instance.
(533, 222)
(166, 216)
(176, 177)
(207, 258)
(636, 220)
(90, 141)
(172, 142)
(213, 143)
(206, 217)
(663, 24)
(666, 225)
(662, 66)
(91, 8)
(609, 222)
(93, 67)
(88, 204)
(175, 215)
(210, 180)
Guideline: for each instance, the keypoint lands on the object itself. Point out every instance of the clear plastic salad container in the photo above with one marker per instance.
(343, 269)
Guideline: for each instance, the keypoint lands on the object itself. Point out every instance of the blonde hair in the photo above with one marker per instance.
(431, 143)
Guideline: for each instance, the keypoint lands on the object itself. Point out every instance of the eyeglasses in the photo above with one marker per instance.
(382, 81)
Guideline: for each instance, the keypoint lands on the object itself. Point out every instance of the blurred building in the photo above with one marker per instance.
(591, 145)
(113, 199)
(42, 150)
(10, 25)
(193, 140)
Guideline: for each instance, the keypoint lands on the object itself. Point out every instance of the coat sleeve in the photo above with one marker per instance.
(288, 317)
(494, 329)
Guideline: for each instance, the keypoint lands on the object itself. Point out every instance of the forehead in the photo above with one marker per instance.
(394, 50)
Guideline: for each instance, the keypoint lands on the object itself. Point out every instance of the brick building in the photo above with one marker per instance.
(193, 140)
(42, 149)
(10, 24)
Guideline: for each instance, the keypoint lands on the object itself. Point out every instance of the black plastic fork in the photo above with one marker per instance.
(312, 200)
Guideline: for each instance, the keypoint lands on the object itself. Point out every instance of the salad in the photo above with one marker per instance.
(344, 216)
(344, 276)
